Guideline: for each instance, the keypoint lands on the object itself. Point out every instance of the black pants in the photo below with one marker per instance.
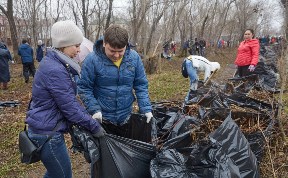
(28, 68)
(244, 71)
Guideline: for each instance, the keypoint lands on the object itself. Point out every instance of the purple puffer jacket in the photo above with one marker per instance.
(54, 100)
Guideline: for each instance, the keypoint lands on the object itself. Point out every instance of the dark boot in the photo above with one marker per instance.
(5, 86)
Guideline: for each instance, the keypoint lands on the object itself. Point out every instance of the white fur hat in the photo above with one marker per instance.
(65, 33)
(214, 66)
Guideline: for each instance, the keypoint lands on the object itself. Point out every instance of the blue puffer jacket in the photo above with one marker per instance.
(103, 87)
(26, 53)
(53, 98)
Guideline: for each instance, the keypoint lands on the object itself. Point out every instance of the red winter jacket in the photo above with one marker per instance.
(248, 53)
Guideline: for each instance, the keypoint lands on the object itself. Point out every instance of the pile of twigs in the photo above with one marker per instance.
(191, 110)
(260, 95)
(201, 132)
(252, 124)
(235, 108)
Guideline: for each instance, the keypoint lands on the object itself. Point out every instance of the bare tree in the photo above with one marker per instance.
(223, 18)
(109, 14)
(138, 12)
(13, 31)
(176, 14)
(285, 5)
(158, 11)
(244, 14)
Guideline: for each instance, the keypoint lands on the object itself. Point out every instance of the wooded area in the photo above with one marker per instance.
(148, 21)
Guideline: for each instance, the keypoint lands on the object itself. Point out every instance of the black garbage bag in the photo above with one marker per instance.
(237, 147)
(124, 158)
(242, 100)
(84, 142)
(226, 143)
(173, 164)
(166, 106)
(117, 156)
(269, 55)
(183, 125)
(244, 84)
(260, 126)
(195, 96)
(212, 98)
(136, 128)
(267, 76)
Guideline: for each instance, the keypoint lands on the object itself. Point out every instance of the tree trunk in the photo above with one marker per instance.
(13, 31)
(109, 14)
(203, 26)
(151, 64)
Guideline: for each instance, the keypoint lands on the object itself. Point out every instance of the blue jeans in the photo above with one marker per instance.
(192, 73)
(54, 155)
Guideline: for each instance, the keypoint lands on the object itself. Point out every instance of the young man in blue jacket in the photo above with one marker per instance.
(110, 76)
(26, 53)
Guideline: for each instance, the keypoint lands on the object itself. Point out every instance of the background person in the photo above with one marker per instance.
(26, 53)
(54, 100)
(248, 54)
(196, 63)
(109, 77)
(40, 51)
(5, 56)
(202, 44)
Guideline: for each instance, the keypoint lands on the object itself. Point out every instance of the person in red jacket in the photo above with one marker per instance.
(248, 54)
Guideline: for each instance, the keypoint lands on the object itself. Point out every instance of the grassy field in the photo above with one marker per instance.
(168, 84)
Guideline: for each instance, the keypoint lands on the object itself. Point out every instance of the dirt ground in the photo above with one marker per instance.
(18, 90)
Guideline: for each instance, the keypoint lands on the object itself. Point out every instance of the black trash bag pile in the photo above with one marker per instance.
(269, 55)
(252, 104)
(224, 152)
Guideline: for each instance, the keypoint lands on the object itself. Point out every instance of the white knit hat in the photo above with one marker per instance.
(40, 42)
(65, 33)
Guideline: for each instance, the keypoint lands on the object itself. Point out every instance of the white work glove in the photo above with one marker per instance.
(251, 68)
(149, 116)
(98, 116)
(12, 62)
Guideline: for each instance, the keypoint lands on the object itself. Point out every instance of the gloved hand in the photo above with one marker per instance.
(251, 68)
(12, 62)
(100, 133)
(98, 116)
(149, 116)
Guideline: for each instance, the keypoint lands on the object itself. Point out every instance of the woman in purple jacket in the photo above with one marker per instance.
(54, 101)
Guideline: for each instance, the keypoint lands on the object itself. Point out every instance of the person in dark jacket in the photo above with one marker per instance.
(196, 47)
(54, 100)
(109, 77)
(202, 45)
(40, 51)
(26, 53)
(5, 56)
